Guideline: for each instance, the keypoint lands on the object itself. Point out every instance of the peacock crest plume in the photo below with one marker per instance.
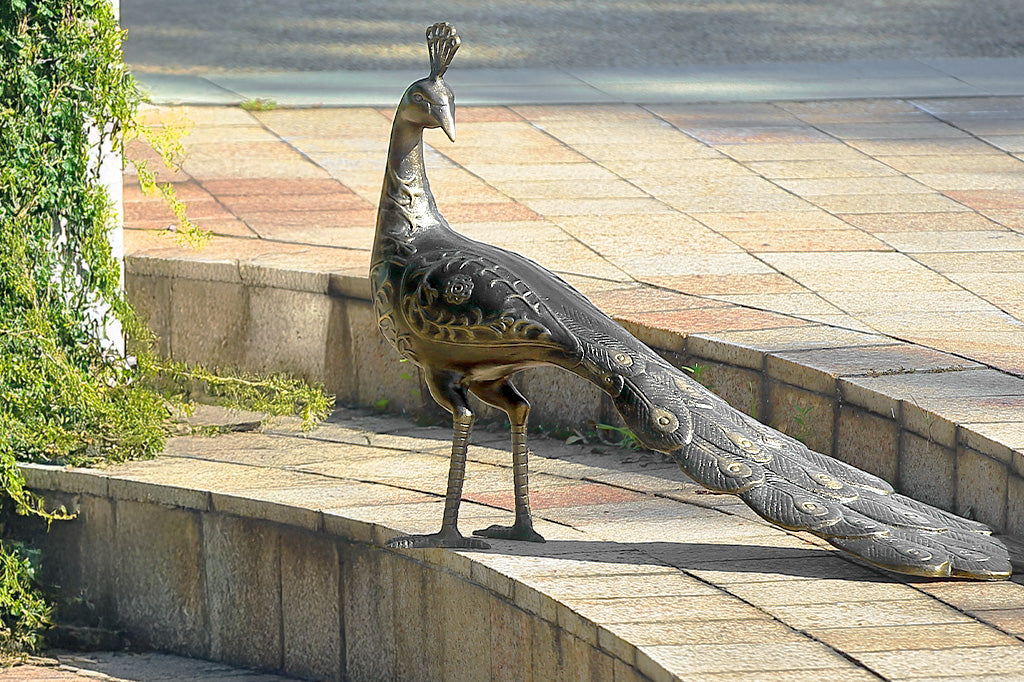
(442, 43)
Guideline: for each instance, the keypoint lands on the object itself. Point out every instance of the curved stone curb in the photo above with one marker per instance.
(265, 550)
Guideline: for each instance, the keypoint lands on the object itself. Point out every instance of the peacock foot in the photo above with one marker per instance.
(447, 539)
(519, 531)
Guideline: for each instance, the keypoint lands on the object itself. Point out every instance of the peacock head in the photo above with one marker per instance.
(429, 102)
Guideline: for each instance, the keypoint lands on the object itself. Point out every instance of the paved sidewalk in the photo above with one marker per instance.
(899, 215)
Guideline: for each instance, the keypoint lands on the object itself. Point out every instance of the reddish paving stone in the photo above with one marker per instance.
(311, 219)
(259, 203)
(157, 209)
(185, 191)
(147, 211)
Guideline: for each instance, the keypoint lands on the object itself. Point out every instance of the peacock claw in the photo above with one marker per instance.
(442, 539)
(517, 532)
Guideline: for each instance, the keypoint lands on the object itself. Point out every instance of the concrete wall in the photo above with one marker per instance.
(309, 594)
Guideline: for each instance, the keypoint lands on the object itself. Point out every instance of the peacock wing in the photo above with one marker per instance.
(469, 294)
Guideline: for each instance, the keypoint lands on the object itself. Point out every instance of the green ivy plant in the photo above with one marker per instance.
(65, 397)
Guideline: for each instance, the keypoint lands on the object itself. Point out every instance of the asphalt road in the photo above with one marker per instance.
(325, 35)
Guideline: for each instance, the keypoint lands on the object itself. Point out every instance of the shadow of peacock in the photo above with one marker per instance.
(471, 315)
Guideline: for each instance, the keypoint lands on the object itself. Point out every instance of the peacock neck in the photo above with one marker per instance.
(406, 200)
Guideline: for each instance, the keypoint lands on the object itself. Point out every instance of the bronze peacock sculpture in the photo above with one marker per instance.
(471, 315)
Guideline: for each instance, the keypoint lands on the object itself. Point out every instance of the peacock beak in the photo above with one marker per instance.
(447, 119)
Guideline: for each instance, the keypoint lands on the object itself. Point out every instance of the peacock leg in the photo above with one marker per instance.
(503, 395)
(447, 390)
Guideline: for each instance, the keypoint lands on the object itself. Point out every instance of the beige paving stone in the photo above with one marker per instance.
(822, 168)
(971, 181)
(921, 147)
(972, 597)
(661, 608)
(760, 241)
(821, 591)
(975, 163)
(767, 151)
(849, 673)
(945, 241)
(964, 661)
(1011, 218)
(545, 153)
(732, 658)
(615, 206)
(732, 196)
(679, 147)
(552, 189)
(756, 134)
(891, 638)
(917, 611)
(220, 168)
(842, 186)
(296, 122)
(632, 585)
(692, 174)
(758, 629)
(712, 284)
(886, 203)
(998, 262)
(584, 171)
(514, 133)
(879, 223)
(999, 440)
(1009, 143)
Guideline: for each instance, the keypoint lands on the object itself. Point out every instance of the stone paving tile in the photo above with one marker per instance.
(758, 629)
(909, 637)
(841, 168)
(971, 662)
(756, 658)
(765, 241)
(956, 221)
(916, 611)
